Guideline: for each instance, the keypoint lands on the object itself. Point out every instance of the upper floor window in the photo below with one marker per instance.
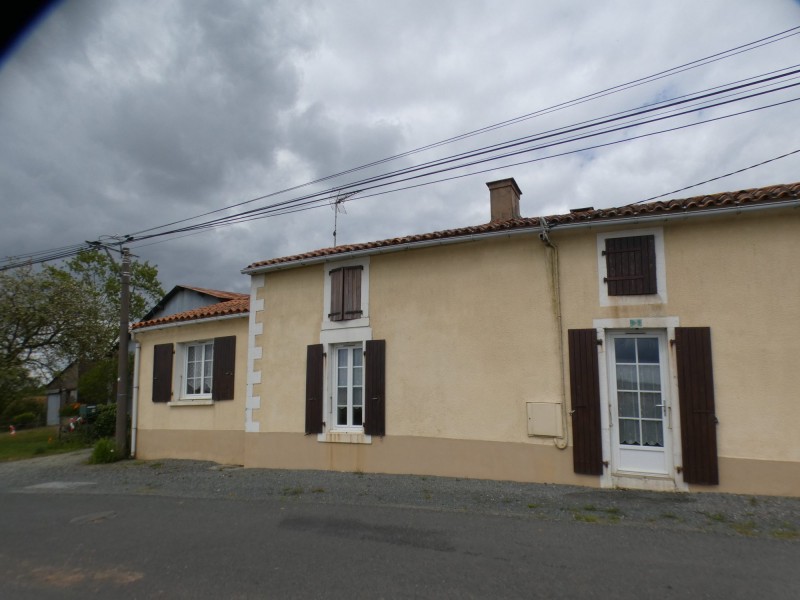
(345, 293)
(632, 267)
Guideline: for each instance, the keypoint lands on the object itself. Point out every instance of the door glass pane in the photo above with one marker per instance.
(648, 350)
(626, 377)
(650, 405)
(628, 404)
(629, 432)
(653, 434)
(625, 349)
(650, 377)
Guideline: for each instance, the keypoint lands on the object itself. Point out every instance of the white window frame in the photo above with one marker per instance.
(181, 375)
(660, 297)
(362, 321)
(352, 349)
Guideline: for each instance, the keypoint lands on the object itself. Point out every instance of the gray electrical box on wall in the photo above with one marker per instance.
(544, 419)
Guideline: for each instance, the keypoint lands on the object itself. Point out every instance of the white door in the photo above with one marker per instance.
(638, 380)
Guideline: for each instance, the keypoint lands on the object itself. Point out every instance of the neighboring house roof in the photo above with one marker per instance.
(218, 295)
(725, 200)
(239, 304)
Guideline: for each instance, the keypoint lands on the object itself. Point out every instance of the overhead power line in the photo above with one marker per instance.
(307, 202)
(777, 37)
(718, 177)
(438, 167)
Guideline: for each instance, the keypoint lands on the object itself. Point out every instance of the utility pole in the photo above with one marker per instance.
(122, 370)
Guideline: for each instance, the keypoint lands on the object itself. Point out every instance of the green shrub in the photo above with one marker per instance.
(25, 419)
(105, 423)
(105, 451)
(20, 406)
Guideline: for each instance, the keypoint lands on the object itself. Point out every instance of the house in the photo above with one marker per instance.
(182, 298)
(190, 382)
(650, 346)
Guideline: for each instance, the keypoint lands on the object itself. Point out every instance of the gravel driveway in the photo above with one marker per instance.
(723, 514)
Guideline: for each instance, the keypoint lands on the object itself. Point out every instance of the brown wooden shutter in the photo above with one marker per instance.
(352, 292)
(224, 368)
(584, 382)
(162, 372)
(314, 374)
(337, 287)
(696, 397)
(631, 265)
(375, 388)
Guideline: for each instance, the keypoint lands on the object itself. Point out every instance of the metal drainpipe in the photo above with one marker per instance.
(135, 399)
(553, 264)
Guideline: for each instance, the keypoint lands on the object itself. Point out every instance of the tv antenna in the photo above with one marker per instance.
(337, 205)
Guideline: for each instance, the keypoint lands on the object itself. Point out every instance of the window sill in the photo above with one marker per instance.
(345, 437)
(187, 402)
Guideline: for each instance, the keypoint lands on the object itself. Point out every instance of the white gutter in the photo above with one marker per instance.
(474, 237)
(191, 321)
(135, 403)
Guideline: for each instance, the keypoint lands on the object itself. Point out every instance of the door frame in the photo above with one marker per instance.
(673, 481)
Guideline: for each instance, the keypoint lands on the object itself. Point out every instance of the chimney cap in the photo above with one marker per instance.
(510, 181)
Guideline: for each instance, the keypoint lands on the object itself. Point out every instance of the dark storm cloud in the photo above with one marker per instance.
(116, 116)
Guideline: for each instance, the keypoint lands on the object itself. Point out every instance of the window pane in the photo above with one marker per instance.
(357, 396)
(653, 434)
(625, 349)
(358, 357)
(357, 416)
(341, 415)
(629, 432)
(628, 404)
(650, 406)
(190, 371)
(209, 351)
(649, 377)
(190, 352)
(341, 397)
(357, 371)
(207, 385)
(626, 377)
(342, 357)
(648, 350)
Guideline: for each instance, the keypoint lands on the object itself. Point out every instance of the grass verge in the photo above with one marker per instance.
(42, 441)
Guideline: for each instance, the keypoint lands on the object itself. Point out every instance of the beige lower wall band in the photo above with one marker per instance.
(533, 463)
(225, 447)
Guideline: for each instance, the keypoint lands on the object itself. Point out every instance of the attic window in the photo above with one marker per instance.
(631, 265)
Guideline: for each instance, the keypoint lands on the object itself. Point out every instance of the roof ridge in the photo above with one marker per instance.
(777, 192)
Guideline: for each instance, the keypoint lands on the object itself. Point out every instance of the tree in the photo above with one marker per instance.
(56, 315)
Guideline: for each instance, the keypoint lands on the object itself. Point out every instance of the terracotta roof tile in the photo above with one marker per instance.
(239, 305)
(775, 193)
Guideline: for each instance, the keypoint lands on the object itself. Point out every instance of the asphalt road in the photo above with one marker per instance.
(91, 534)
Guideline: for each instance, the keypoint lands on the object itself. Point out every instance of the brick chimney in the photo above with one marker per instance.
(504, 198)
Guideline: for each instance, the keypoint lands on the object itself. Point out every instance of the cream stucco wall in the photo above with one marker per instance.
(212, 431)
(738, 276)
(292, 317)
(471, 336)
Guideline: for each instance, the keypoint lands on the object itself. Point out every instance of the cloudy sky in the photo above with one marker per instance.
(118, 116)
